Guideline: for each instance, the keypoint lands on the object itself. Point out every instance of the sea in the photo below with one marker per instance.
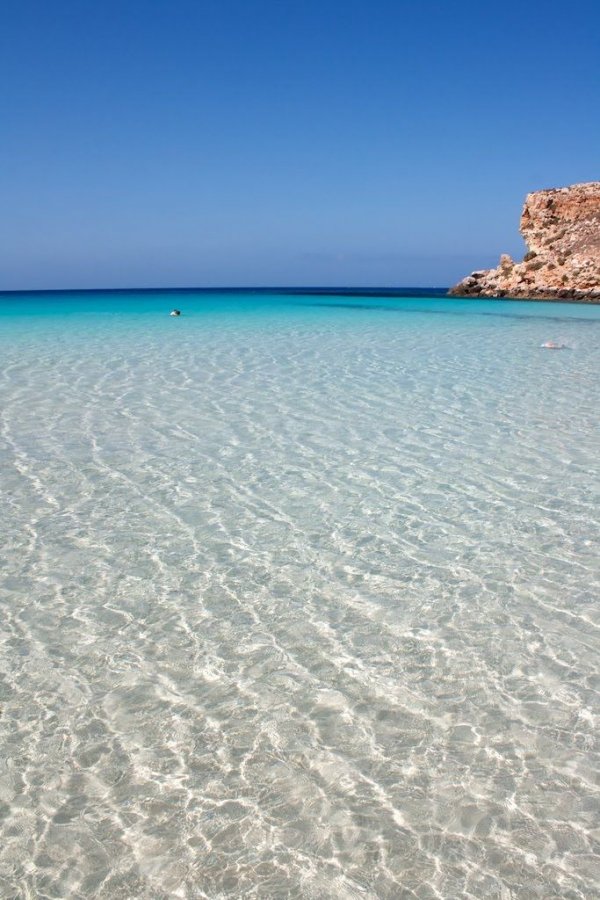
(299, 596)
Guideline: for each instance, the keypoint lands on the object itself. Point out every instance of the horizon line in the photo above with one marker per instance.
(292, 289)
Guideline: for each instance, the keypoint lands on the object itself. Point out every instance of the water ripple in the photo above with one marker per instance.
(300, 606)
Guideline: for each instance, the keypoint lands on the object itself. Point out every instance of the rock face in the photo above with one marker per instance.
(561, 228)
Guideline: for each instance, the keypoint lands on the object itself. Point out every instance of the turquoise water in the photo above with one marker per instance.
(299, 597)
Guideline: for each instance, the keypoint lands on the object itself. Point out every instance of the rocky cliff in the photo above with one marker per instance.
(561, 228)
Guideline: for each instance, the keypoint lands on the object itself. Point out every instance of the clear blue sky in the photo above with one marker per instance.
(331, 142)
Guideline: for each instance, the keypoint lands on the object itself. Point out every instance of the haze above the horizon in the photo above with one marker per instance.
(231, 143)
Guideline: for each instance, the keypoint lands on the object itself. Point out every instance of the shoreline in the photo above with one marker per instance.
(580, 301)
(389, 293)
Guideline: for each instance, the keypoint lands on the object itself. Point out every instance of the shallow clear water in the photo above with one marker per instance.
(300, 598)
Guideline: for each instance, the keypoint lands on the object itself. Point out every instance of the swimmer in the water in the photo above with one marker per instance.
(175, 312)
(552, 345)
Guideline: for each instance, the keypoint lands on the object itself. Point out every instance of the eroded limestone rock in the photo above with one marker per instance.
(561, 228)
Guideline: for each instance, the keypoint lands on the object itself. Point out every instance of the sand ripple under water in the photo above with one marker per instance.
(300, 603)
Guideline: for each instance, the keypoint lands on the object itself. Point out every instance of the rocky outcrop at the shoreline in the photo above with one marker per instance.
(561, 228)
